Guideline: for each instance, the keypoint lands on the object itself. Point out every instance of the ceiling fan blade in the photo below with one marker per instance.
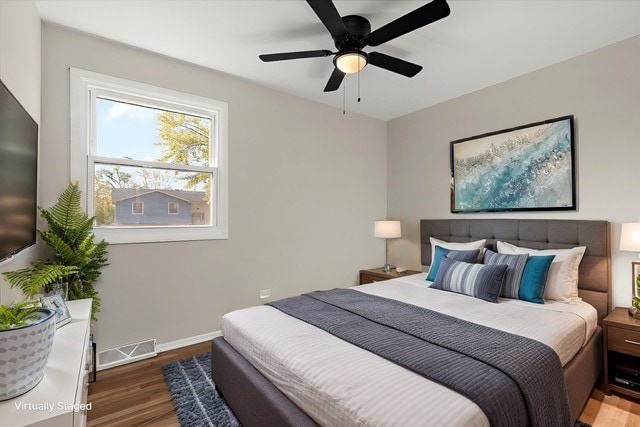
(396, 65)
(269, 57)
(420, 17)
(334, 81)
(328, 14)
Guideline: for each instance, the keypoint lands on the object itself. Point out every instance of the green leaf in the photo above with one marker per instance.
(77, 259)
(18, 315)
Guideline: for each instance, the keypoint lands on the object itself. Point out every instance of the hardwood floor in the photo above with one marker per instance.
(137, 395)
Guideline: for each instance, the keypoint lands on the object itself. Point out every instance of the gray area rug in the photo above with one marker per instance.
(195, 399)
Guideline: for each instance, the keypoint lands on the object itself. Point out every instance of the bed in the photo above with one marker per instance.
(240, 370)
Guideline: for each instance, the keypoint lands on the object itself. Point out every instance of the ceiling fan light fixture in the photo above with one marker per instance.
(351, 62)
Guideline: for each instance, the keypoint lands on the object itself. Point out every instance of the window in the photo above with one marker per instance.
(137, 208)
(139, 152)
(197, 217)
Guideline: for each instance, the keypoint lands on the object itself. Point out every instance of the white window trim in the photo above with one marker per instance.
(133, 210)
(177, 212)
(82, 82)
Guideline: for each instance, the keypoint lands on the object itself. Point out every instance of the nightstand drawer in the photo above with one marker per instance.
(623, 340)
(367, 278)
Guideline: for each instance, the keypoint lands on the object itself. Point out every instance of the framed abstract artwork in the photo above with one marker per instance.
(526, 168)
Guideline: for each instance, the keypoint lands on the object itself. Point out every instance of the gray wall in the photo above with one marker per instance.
(305, 185)
(20, 72)
(602, 90)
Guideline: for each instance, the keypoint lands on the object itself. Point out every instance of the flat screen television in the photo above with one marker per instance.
(18, 176)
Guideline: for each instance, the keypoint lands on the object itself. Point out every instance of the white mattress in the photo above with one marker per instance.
(339, 384)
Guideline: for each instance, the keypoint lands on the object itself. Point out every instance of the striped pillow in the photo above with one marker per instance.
(477, 280)
(515, 263)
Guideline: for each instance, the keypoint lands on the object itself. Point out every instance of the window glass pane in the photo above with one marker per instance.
(129, 131)
(126, 196)
(137, 208)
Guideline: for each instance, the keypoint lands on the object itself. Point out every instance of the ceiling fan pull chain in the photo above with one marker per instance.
(359, 78)
(344, 91)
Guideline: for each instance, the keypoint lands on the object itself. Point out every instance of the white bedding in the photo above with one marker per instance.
(339, 384)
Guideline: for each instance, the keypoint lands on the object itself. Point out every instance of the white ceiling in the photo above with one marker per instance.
(482, 42)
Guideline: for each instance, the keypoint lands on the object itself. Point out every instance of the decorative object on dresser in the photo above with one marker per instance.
(26, 336)
(76, 260)
(54, 301)
(387, 230)
(378, 275)
(622, 353)
(61, 397)
(630, 241)
(526, 168)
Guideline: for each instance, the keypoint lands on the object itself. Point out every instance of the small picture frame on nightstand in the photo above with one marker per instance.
(56, 303)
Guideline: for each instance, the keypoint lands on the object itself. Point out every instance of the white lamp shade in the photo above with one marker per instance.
(387, 229)
(630, 237)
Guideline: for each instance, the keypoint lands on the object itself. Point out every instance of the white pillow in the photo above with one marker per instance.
(456, 246)
(562, 280)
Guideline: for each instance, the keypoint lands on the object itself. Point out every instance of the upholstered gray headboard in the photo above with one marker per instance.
(594, 283)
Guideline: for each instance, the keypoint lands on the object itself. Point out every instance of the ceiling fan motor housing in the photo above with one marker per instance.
(358, 29)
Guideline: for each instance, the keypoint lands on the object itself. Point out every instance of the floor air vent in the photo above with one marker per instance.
(126, 354)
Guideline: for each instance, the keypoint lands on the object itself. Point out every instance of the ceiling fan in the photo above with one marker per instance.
(352, 33)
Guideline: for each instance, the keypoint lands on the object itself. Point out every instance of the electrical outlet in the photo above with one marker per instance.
(265, 293)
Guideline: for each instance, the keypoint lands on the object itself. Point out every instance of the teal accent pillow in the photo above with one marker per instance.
(534, 278)
(477, 280)
(440, 252)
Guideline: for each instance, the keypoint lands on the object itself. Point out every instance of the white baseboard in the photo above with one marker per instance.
(187, 341)
(159, 348)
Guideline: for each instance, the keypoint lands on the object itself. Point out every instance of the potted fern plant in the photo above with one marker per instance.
(77, 260)
(26, 337)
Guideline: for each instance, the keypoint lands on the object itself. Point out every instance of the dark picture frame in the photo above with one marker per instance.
(525, 168)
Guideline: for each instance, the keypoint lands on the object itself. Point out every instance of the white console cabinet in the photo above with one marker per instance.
(61, 397)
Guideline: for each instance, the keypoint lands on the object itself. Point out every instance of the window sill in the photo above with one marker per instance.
(123, 235)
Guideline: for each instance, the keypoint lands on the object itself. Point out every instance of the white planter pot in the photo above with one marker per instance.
(24, 353)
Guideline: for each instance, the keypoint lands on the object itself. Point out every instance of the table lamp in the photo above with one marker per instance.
(387, 230)
(630, 241)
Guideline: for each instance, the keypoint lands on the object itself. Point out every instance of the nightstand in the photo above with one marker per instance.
(377, 275)
(622, 353)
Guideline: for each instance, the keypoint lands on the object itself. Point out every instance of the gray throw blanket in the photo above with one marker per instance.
(516, 381)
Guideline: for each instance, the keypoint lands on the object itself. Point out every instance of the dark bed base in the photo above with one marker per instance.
(253, 399)
(257, 402)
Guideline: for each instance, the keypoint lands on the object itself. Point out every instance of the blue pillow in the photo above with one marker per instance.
(515, 263)
(440, 252)
(534, 278)
(477, 280)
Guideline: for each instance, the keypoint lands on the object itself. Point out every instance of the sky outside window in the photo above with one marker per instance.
(126, 130)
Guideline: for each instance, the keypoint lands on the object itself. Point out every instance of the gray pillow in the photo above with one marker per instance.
(515, 263)
(477, 280)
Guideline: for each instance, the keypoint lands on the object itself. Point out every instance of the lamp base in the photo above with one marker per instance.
(387, 268)
(634, 312)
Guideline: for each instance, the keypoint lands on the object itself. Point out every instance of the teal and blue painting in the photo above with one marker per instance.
(522, 169)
